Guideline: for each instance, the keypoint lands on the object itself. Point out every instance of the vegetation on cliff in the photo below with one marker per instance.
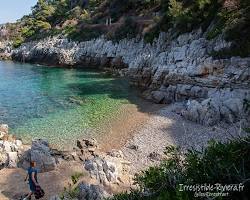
(117, 19)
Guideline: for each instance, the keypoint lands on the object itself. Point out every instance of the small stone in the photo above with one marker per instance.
(19, 143)
(91, 142)
(92, 149)
(6, 146)
(154, 156)
(2, 134)
(88, 165)
(79, 144)
(56, 197)
(116, 153)
(4, 128)
(74, 155)
(133, 147)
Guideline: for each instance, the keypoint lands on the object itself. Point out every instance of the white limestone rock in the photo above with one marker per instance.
(4, 128)
(12, 159)
(40, 152)
(182, 65)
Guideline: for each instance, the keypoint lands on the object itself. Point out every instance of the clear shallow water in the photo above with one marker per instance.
(59, 104)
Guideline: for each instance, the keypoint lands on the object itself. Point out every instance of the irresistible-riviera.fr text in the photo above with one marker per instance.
(217, 187)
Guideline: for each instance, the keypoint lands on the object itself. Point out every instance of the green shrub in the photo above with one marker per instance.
(69, 29)
(224, 163)
(76, 176)
(238, 31)
(235, 24)
(72, 191)
(27, 32)
(214, 32)
(118, 7)
(162, 26)
(41, 25)
(188, 15)
(18, 41)
(85, 33)
(129, 29)
(152, 34)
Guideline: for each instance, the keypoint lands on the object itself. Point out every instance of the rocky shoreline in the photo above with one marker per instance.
(170, 70)
(113, 171)
(213, 93)
(109, 171)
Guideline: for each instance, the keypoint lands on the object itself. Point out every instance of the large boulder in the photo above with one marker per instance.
(91, 192)
(212, 110)
(41, 153)
(10, 149)
(109, 169)
(158, 96)
(85, 191)
(207, 112)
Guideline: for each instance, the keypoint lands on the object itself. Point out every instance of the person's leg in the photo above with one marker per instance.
(29, 195)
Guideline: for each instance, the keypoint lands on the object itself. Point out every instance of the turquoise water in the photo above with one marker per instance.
(57, 103)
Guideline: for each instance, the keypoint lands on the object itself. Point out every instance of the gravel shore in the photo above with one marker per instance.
(144, 148)
(165, 128)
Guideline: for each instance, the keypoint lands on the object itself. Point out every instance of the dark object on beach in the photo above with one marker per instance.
(39, 193)
(133, 147)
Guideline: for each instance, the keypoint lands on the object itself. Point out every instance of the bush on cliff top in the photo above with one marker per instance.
(233, 21)
(224, 163)
(230, 17)
(128, 29)
(184, 16)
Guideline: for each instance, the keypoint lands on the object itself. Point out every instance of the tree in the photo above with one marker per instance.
(43, 10)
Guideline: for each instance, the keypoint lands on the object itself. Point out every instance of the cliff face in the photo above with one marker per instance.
(178, 70)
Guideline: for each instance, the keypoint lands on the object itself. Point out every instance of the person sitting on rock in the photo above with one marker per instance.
(32, 175)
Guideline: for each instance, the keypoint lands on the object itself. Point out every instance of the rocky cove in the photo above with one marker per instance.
(169, 70)
(181, 72)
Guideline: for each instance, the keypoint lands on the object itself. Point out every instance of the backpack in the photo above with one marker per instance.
(39, 193)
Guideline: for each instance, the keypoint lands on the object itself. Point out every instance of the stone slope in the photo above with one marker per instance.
(169, 70)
